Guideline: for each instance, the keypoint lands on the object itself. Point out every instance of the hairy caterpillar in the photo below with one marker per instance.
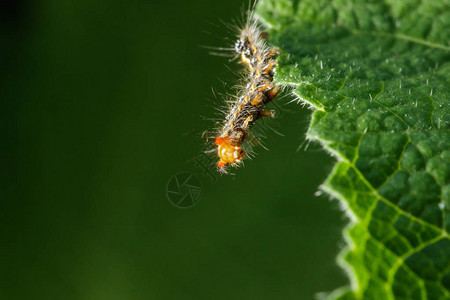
(260, 62)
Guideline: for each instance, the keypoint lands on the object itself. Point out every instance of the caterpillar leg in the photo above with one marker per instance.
(267, 113)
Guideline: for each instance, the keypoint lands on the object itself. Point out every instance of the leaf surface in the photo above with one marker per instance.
(376, 74)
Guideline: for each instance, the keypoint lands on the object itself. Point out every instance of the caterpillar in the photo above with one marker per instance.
(259, 61)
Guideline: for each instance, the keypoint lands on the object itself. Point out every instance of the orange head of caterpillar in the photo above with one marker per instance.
(229, 152)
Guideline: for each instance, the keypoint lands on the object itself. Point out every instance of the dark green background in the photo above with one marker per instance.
(102, 102)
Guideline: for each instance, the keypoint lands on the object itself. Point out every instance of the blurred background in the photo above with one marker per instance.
(102, 103)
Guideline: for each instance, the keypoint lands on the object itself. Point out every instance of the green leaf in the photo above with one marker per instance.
(377, 74)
